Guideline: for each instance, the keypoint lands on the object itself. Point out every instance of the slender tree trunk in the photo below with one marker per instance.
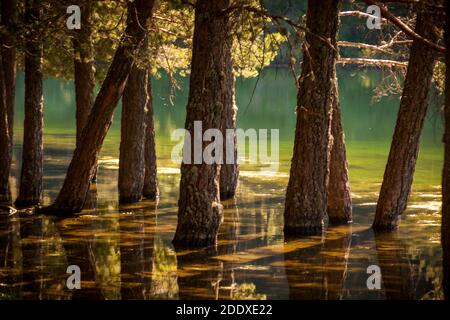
(339, 204)
(5, 142)
(445, 227)
(199, 208)
(84, 68)
(398, 175)
(229, 173)
(132, 142)
(150, 190)
(30, 190)
(306, 196)
(8, 52)
(82, 166)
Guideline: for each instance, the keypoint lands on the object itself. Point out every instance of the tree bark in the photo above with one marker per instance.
(399, 172)
(8, 52)
(30, 190)
(229, 173)
(445, 226)
(306, 196)
(5, 142)
(339, 204)
(82, 166)
(150, 190)
(199, 208)
(84, 69)
(132, 142)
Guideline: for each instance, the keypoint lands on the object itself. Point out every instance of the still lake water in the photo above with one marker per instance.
(125, 252)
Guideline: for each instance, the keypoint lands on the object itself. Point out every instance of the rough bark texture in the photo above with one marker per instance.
(306, 196)
(132, 141)
(229, 173)
(5, 142)
(32, 148)
(339, 202)
(445, 227)
(8, 52)
(150, 190)
(199, 208)
(82, 166)
(398, 175)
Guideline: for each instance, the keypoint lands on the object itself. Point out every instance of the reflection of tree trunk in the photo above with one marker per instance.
(44, 260)
(150, 190)
(445, 228)
(32, 149)
(11, 256)
(132, 133)
(199, 213)
(339, 202)
(84, 68)
(335, 265)
(82, 167)
(306, 195)
(400, 166)
(396, 269)
(5, 143)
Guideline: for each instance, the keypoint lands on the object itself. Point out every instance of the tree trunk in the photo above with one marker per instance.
(199, 208)
(445, 227)
(5, 142)
(306, 196)
(82, 166)
(30, 190)
(398, 175)
(132, 142)
(84, 68)
(150, 190)
(8, 52)
(339, 204)
(229, 173)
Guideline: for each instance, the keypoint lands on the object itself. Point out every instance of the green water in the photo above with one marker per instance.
(125, 252)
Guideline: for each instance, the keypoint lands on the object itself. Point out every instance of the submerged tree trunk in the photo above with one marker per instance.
(229, 171)
(84, 69)
(199, 208)
(398, 175)
(339, 202)
(306, 196)
(5, 142)
(32, 149)
(150, 190)
(82, 166)
(132, 141)
(445, 226)
(8, 52)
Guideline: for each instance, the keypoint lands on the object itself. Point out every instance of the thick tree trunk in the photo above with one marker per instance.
(5, 142)
(82, 166)
(229, 173)
(132, 142)
(445, 227)
(32, 149)
(199, 208)
(150, 190)
(306, 196)
(84, 69)
(8, 52)
(398, 175)
(339, 203)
